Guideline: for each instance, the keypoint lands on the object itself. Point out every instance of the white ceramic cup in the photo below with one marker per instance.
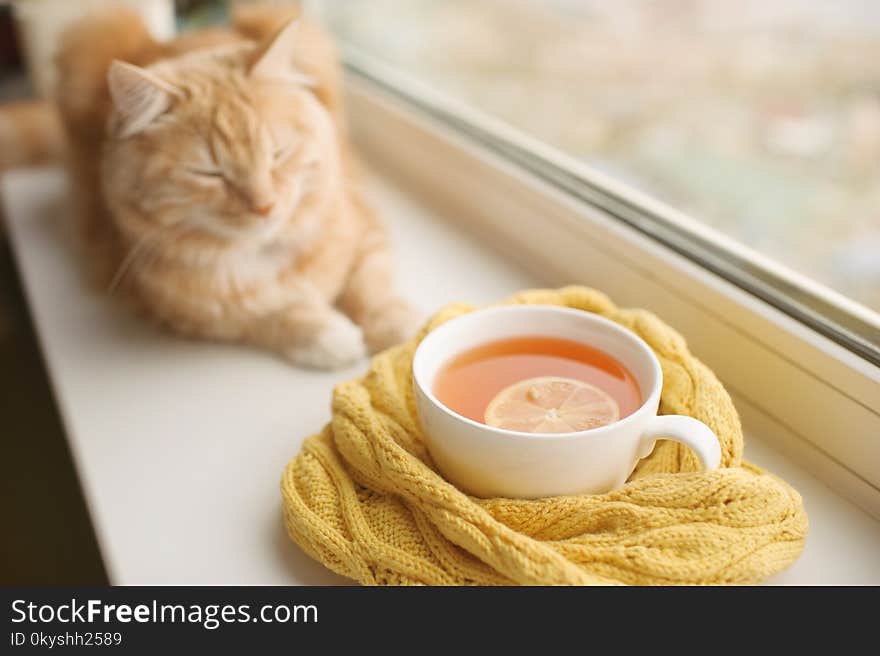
(492, 462)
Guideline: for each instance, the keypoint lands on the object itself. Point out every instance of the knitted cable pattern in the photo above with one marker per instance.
(364, 498)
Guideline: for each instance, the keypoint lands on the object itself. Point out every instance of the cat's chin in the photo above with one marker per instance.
(262, 230)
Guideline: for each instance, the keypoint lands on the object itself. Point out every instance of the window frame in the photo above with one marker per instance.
(817, 397)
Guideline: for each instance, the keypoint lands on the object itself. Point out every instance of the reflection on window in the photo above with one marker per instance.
(759, 118)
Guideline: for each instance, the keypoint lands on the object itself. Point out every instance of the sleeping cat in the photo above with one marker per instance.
(214, 186)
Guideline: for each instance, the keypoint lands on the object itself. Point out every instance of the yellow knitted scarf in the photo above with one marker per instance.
(364, 498)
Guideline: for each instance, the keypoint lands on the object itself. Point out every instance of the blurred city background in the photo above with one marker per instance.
(760, 119)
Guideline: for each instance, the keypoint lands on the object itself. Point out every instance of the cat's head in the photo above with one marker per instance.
(226, 144)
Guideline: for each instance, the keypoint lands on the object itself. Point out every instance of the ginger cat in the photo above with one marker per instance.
(213, 185)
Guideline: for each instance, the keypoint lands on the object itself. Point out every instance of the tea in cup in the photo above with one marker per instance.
(534, 401)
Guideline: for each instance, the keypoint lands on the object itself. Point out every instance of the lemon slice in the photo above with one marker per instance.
(551, 404)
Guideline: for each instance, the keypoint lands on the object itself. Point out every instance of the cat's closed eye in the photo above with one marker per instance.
(205, 172)
(283, 153)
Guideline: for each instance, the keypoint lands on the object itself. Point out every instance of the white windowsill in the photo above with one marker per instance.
(180, 445)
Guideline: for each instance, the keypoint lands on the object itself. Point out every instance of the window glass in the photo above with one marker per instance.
(760, 119)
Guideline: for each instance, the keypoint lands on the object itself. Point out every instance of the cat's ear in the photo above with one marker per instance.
(275, 59)
(139, 96)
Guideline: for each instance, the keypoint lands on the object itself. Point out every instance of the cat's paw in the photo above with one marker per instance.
(393, 323)
(339, 344)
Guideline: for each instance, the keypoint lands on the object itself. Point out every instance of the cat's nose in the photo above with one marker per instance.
(263, 210)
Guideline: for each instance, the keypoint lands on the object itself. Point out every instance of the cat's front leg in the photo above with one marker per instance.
(369, 298)
(337, 343)
(311, 333)
(388, 322)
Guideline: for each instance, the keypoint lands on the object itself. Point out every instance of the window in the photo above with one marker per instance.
(715, 162)
(749, 133)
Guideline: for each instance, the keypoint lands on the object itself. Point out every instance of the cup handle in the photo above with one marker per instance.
(687, 430)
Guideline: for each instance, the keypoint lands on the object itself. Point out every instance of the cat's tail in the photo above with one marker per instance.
(30, 134)
(260, 21)
(315, 52)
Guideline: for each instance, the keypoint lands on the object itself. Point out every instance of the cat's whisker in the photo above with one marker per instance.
(148, 241)
(126, 263)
